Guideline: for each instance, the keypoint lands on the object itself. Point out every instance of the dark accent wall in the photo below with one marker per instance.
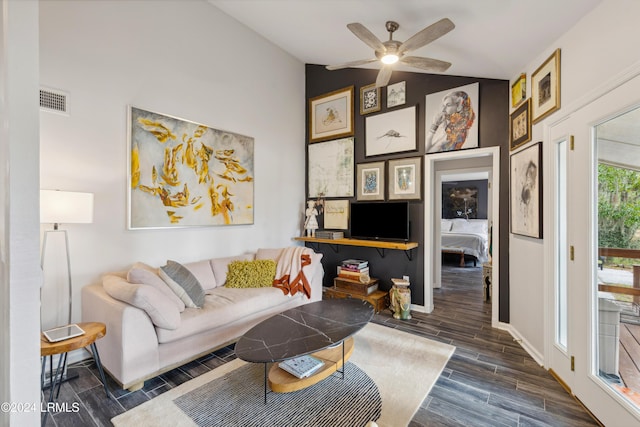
(493, 128)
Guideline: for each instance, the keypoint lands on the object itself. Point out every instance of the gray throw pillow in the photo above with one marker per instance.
(188, 287)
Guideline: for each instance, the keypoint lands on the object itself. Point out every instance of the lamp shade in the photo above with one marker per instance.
(65, 207)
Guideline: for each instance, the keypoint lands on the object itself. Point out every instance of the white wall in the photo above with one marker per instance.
(602, 45)
(20, 276)
(181, 58)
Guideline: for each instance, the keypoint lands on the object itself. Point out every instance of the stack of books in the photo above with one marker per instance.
(302, 366)
(329, 234)
(354, 269)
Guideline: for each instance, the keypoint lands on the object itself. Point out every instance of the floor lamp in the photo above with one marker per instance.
(64, 207)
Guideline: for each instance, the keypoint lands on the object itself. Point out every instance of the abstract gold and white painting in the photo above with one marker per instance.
(184, 174)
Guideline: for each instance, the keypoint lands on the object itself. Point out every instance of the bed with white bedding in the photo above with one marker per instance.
(466, 237)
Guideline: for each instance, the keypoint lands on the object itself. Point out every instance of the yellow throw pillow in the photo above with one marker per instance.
(251, 274)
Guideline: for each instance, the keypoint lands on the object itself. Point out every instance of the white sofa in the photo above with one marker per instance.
(135, 348)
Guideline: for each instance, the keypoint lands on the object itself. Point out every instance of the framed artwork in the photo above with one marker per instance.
(460, 202)
(370, 181)
(390, 132)
(184, 174)
(451, 119)
(331, 115)
(520, 125)
(519, 90)
(404, 178)
(330, 169)
(369, 99)
(526, 192)
(336, 214)
(396, 94)
(545, 88)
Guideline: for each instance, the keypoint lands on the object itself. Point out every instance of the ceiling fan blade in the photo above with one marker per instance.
(427, 64)
(384, 76)
(427, 35)
(366, 36)
(350, 64)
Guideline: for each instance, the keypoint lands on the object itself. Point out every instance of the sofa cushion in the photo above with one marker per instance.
(163, 313)
(269, 253)
(227, 305)
(144, 274)
(251, 274)
(220, 266)
(183, 283)
(203, 272)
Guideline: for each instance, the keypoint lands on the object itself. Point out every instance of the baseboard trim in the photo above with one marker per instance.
(526, 345)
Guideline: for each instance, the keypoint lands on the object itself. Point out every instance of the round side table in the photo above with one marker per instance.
(92, 332)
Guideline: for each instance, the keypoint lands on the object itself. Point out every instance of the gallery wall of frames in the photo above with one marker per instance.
(368, 144)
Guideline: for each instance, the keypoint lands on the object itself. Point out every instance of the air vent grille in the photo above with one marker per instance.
(54, 101)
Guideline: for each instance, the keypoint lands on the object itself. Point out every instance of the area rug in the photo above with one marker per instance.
(387, 378)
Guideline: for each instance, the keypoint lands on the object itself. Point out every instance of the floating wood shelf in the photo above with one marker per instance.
(380, 245)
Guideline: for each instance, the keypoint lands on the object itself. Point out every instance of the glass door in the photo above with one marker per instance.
(595, 210)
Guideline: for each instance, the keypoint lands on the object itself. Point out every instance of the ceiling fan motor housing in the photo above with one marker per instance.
(391, 47)
(391, 27)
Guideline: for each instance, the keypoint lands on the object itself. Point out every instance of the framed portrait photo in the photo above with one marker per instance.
(526, 192)
(391, 132)
(370, 178)
(545, 88)
(520, 125)
(404, 178)
(369, 99)
(331, 115)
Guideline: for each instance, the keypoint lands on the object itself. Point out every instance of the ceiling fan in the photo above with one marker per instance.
(393, 51)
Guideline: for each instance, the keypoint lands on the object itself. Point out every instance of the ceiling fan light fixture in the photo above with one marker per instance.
(389, 58)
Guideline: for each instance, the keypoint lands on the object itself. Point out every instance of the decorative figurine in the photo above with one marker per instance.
(401, 299)
(311, 221)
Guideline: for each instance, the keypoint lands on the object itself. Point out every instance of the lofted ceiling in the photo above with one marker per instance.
(492, 39)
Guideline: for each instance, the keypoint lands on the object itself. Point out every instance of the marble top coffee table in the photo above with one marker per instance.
(322, 328)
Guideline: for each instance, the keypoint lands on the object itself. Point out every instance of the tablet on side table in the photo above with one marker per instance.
(63, 333)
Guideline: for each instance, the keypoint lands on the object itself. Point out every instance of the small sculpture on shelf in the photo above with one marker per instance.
(311, 220)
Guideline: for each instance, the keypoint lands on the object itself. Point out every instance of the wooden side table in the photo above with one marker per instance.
(92, 332)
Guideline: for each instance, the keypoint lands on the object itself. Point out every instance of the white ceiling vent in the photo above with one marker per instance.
(54, 101)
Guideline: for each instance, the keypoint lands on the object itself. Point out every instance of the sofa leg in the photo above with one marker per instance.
(136, 386)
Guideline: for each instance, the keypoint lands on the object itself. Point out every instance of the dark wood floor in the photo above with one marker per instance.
(489, 381)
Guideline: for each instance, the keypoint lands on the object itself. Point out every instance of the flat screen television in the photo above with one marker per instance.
(380, 220)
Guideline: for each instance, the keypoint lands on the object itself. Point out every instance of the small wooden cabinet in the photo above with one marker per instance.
(378, 299)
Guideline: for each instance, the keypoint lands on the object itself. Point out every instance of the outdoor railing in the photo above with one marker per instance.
(623, 253)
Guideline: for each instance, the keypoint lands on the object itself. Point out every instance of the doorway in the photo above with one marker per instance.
(482, 160)
(463, 203)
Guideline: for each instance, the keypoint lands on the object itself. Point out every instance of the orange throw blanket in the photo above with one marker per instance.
(290, 277)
